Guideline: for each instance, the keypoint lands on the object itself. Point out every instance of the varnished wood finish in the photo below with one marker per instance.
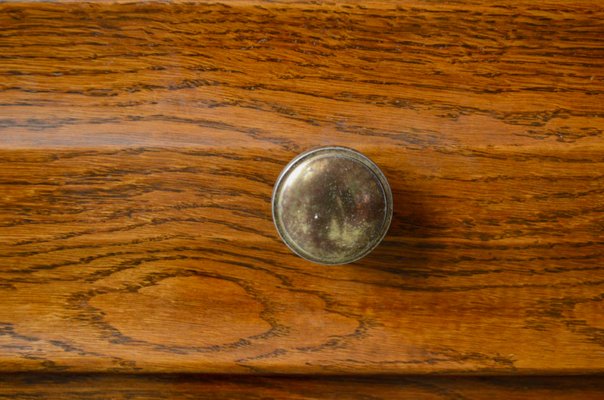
(139, 145)
(156, 387)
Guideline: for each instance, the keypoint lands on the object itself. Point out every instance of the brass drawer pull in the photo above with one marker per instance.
(332, 205)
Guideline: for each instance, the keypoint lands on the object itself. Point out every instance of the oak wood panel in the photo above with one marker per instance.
(139, 144)
(69, 386)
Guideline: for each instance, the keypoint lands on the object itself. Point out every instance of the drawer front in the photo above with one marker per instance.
(139, 145)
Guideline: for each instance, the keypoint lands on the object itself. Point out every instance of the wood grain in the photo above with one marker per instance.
(139, 144)
(152, 387)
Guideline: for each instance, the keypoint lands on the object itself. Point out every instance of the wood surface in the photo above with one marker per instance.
(139, 144)
(152, 387)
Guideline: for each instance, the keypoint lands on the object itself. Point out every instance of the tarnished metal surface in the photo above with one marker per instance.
(332, 205)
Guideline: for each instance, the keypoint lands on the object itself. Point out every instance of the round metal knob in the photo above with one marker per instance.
(332, 205)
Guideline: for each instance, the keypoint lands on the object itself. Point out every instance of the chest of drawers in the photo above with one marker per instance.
(139, 146)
